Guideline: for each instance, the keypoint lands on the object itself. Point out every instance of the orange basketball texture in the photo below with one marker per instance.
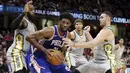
(56, 57)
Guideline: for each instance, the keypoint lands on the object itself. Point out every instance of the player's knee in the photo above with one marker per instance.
(76, 71)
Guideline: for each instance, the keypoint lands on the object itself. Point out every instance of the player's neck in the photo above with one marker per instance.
(79, 32)
(59, 31)
(106, 26)
(120, 45)
(28, 18)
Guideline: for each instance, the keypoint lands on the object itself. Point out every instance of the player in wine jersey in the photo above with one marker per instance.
(104, 57)
(52, 39)
(79, 35)
(17, 51)
(119, 49)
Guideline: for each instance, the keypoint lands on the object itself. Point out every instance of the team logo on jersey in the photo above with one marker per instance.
(56, 43)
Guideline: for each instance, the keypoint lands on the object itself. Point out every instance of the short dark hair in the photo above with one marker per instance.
(67, 16)
(107, 13)
(78, 20)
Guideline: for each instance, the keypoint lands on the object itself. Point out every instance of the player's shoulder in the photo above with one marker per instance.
(106, 30)
(47, 32)
(106, 34)
(72, 34)
(48, 29)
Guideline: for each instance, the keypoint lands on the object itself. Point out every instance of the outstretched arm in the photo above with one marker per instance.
(19, 22)
(34, 38)
(103, 34)
(16, 23)
(116, 46)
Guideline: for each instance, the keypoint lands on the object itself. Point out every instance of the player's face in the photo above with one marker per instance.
(78, 26)
(65, 24)
(103, 18)
(31, 10)
(121, 41)
(30, 14)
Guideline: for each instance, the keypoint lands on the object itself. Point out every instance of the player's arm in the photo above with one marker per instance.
(116, 46)
(124, 49)
(19, 22)
(45, 33)
(71, 35)
(88, 35)
(101, 37)
(64, 48)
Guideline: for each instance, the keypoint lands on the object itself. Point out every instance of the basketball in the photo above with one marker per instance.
(55, 57)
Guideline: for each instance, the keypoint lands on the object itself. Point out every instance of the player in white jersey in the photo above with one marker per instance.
(17, 51)
(78, 35)
(103, 60)
(119, 49)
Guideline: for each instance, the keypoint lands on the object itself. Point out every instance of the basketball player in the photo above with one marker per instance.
(119, 49)
(52, 39)
(103, 53)
(17, 51)
(78, 35)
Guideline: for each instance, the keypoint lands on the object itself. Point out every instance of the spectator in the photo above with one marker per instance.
(3, 65)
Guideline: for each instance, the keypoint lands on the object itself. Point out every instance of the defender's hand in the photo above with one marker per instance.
(68, 42)
(87, 28)
(27, 6)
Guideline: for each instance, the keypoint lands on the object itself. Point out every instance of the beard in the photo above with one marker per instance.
(62, 29)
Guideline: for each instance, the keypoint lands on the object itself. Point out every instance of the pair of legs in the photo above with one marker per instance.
(16, 63)
(94, 66)
(76, 61)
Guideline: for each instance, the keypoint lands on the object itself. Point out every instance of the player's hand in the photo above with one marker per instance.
(27, 6)
(87, 28)
(47, 53)
(68, 43)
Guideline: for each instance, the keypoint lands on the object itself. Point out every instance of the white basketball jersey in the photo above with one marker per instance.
(78, 38)
(119, 52)
(104, 50)
(20, 43)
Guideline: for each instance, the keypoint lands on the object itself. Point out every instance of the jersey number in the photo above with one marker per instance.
(19, 41)
(17, 57)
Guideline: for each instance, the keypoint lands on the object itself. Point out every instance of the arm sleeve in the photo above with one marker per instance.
(15, 24)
